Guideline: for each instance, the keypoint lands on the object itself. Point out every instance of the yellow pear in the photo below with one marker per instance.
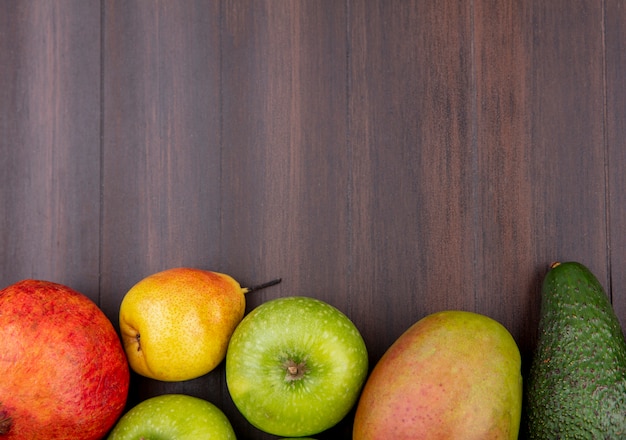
(176, 324)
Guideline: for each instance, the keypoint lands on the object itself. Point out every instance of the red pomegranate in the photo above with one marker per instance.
(63, 371)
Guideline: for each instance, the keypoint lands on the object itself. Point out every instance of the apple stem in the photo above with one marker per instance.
(262, 286)
(295, 370)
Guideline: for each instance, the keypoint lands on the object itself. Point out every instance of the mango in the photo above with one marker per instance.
(451, 375)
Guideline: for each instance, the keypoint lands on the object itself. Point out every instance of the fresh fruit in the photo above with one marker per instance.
(451, 375)
(63, 372)
(577, 382)
(176, 324)
(295, 366)
(173, 417)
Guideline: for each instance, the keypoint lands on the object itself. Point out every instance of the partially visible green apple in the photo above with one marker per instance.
(173, 417)
(295, 366)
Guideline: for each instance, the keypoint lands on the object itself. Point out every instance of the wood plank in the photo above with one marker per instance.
(539, 97)
(615, 36)
(410, 111)
(569, 211)
(50, 142)
(567, 154)
(503, 223)
(568, 134)
(161, 150)
(285, 185)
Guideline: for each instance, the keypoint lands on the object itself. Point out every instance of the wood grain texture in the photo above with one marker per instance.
(504, 225)
(410, 104)
(391, 157)
(540, 152)
(568, 133)
(161, 150)
(161, 140)
(615, 120)
(568, 157)
(285, 183)
(50, 142)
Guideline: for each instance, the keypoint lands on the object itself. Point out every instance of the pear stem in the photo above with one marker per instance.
(262, 286)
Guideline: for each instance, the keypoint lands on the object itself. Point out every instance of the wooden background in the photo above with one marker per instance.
(391, 157)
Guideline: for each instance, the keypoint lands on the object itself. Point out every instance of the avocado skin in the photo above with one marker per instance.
(577, 382)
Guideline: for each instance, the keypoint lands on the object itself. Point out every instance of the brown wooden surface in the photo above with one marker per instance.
(393, 158)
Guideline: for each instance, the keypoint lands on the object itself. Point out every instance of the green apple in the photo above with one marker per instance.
(173, 417)
(295, 366)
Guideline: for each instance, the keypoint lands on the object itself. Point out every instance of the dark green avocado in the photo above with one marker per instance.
(577, 383)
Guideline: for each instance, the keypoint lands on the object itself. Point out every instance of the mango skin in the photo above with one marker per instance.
(452, 375)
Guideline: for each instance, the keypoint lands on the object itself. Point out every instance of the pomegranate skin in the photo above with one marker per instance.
(63, 371)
